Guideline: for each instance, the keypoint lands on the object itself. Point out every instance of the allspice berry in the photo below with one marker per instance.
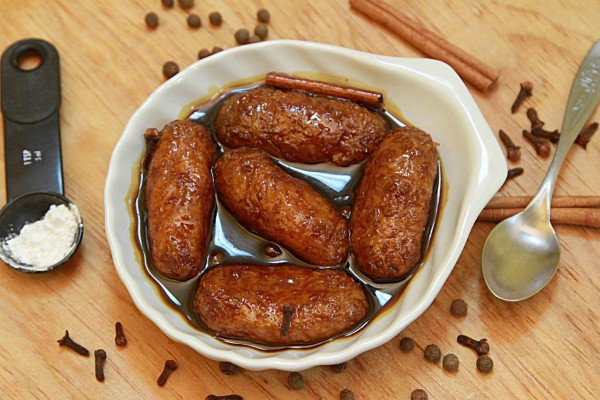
(170, 69)
(242, 36)
(194, 21)
(186, 3)
(203, 54)
(459, 308)
(432, 353)
(418, 394)
(485, 364)
(228, 368)
(339, 367)
(261, 30)
(254, 39)
(296, 381)
(407, 345)
(167, 3)
(151, 20)
(215, 18)
(450, 362)
(263, 15)
(216, 49)
(346, 394)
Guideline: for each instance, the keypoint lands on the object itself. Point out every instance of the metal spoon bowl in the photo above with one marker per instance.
(522, 253)
(26, 209)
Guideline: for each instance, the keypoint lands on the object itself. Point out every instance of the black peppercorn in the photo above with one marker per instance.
(193, 20)
(450, 362)
(459, 308)
(151, 20)
(263, 15)
(407, 344)
(261, 30)
(167, 3)
(418, 394)
(339, 367)
(170, 69)
(203, 54)
(186, 3)
(296, 381)
(485, 364)
(432, 353)
(242, 36)
(228, 368)
(215, 18)
(346, 394)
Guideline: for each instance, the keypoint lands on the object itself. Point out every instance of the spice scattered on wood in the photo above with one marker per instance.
(261, 30)
(367, 97)
(418, 394)
(170, 366)
(228, 368)
(216, 49)
(296, 381)
(346, 394)
(514, 172)
(432, 353)
(151, 20)
(459, 308)
(339, 368)
(168, 3)
(170, 69)
(471, 69)
(254, 39)
(450, 362)
(120, 339)
(70, 343)
(586, 134)
(186, 3)
(552, 136)
(288, 313)
(534, 118)
(513, 152)
(525, 91)
(203, 54)
(226, 397)
(542, 145)
(194, 21)
(242, 36)
(407, 344)
(482, 347)
(99, 360)
(485, 364)
(263, 15)
(272, 250)
(215, 18)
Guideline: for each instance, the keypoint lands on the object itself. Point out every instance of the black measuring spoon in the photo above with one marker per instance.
(31, 98)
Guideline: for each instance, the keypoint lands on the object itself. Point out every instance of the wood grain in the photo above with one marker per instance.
(544, 347)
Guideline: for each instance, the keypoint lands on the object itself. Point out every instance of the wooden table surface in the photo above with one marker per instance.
(544, 347)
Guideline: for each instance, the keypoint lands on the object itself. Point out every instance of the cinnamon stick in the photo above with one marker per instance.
(471, 69)
(571, 216)
(367, 97)
(557, 202)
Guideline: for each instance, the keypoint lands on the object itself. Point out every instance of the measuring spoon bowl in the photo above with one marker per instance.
(26, 209)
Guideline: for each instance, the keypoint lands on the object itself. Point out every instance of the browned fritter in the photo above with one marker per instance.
(299, 127)
(180, 199)
(391, 206)
(267, 200)
(249, 302)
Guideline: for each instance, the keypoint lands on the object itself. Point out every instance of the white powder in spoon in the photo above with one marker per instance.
(43, 243)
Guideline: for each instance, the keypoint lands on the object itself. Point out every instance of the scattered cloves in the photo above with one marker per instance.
(535, 120)
(586, 134)
(288, 312)
(226, 397)
(542, 145)
(552, 136)
(524, 92)
(482, 347)
(70, 343)
(120, 339)
(99, 359)
(513, 152)
(514, 172)
(170, 366)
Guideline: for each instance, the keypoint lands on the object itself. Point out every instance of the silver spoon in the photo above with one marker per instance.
(521, 254)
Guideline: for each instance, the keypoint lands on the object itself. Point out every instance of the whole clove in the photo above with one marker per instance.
(586, 134)
(226, 397)
(513, 152)
(170, 366)
(120, 339)
(553, 136)
(542, 146)
(288, 313)
(482, 347)
(514, 172)
(70, 343)
(99, 360)
(535, 120)
(525, 91)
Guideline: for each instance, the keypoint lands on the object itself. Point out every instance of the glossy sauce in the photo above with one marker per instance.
(230, 243)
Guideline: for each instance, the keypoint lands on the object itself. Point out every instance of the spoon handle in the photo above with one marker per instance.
(584, 96)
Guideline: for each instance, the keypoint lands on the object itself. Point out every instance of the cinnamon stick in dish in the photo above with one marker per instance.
(471, 69)
(557, 202)
(367, 97)
(571, 216)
